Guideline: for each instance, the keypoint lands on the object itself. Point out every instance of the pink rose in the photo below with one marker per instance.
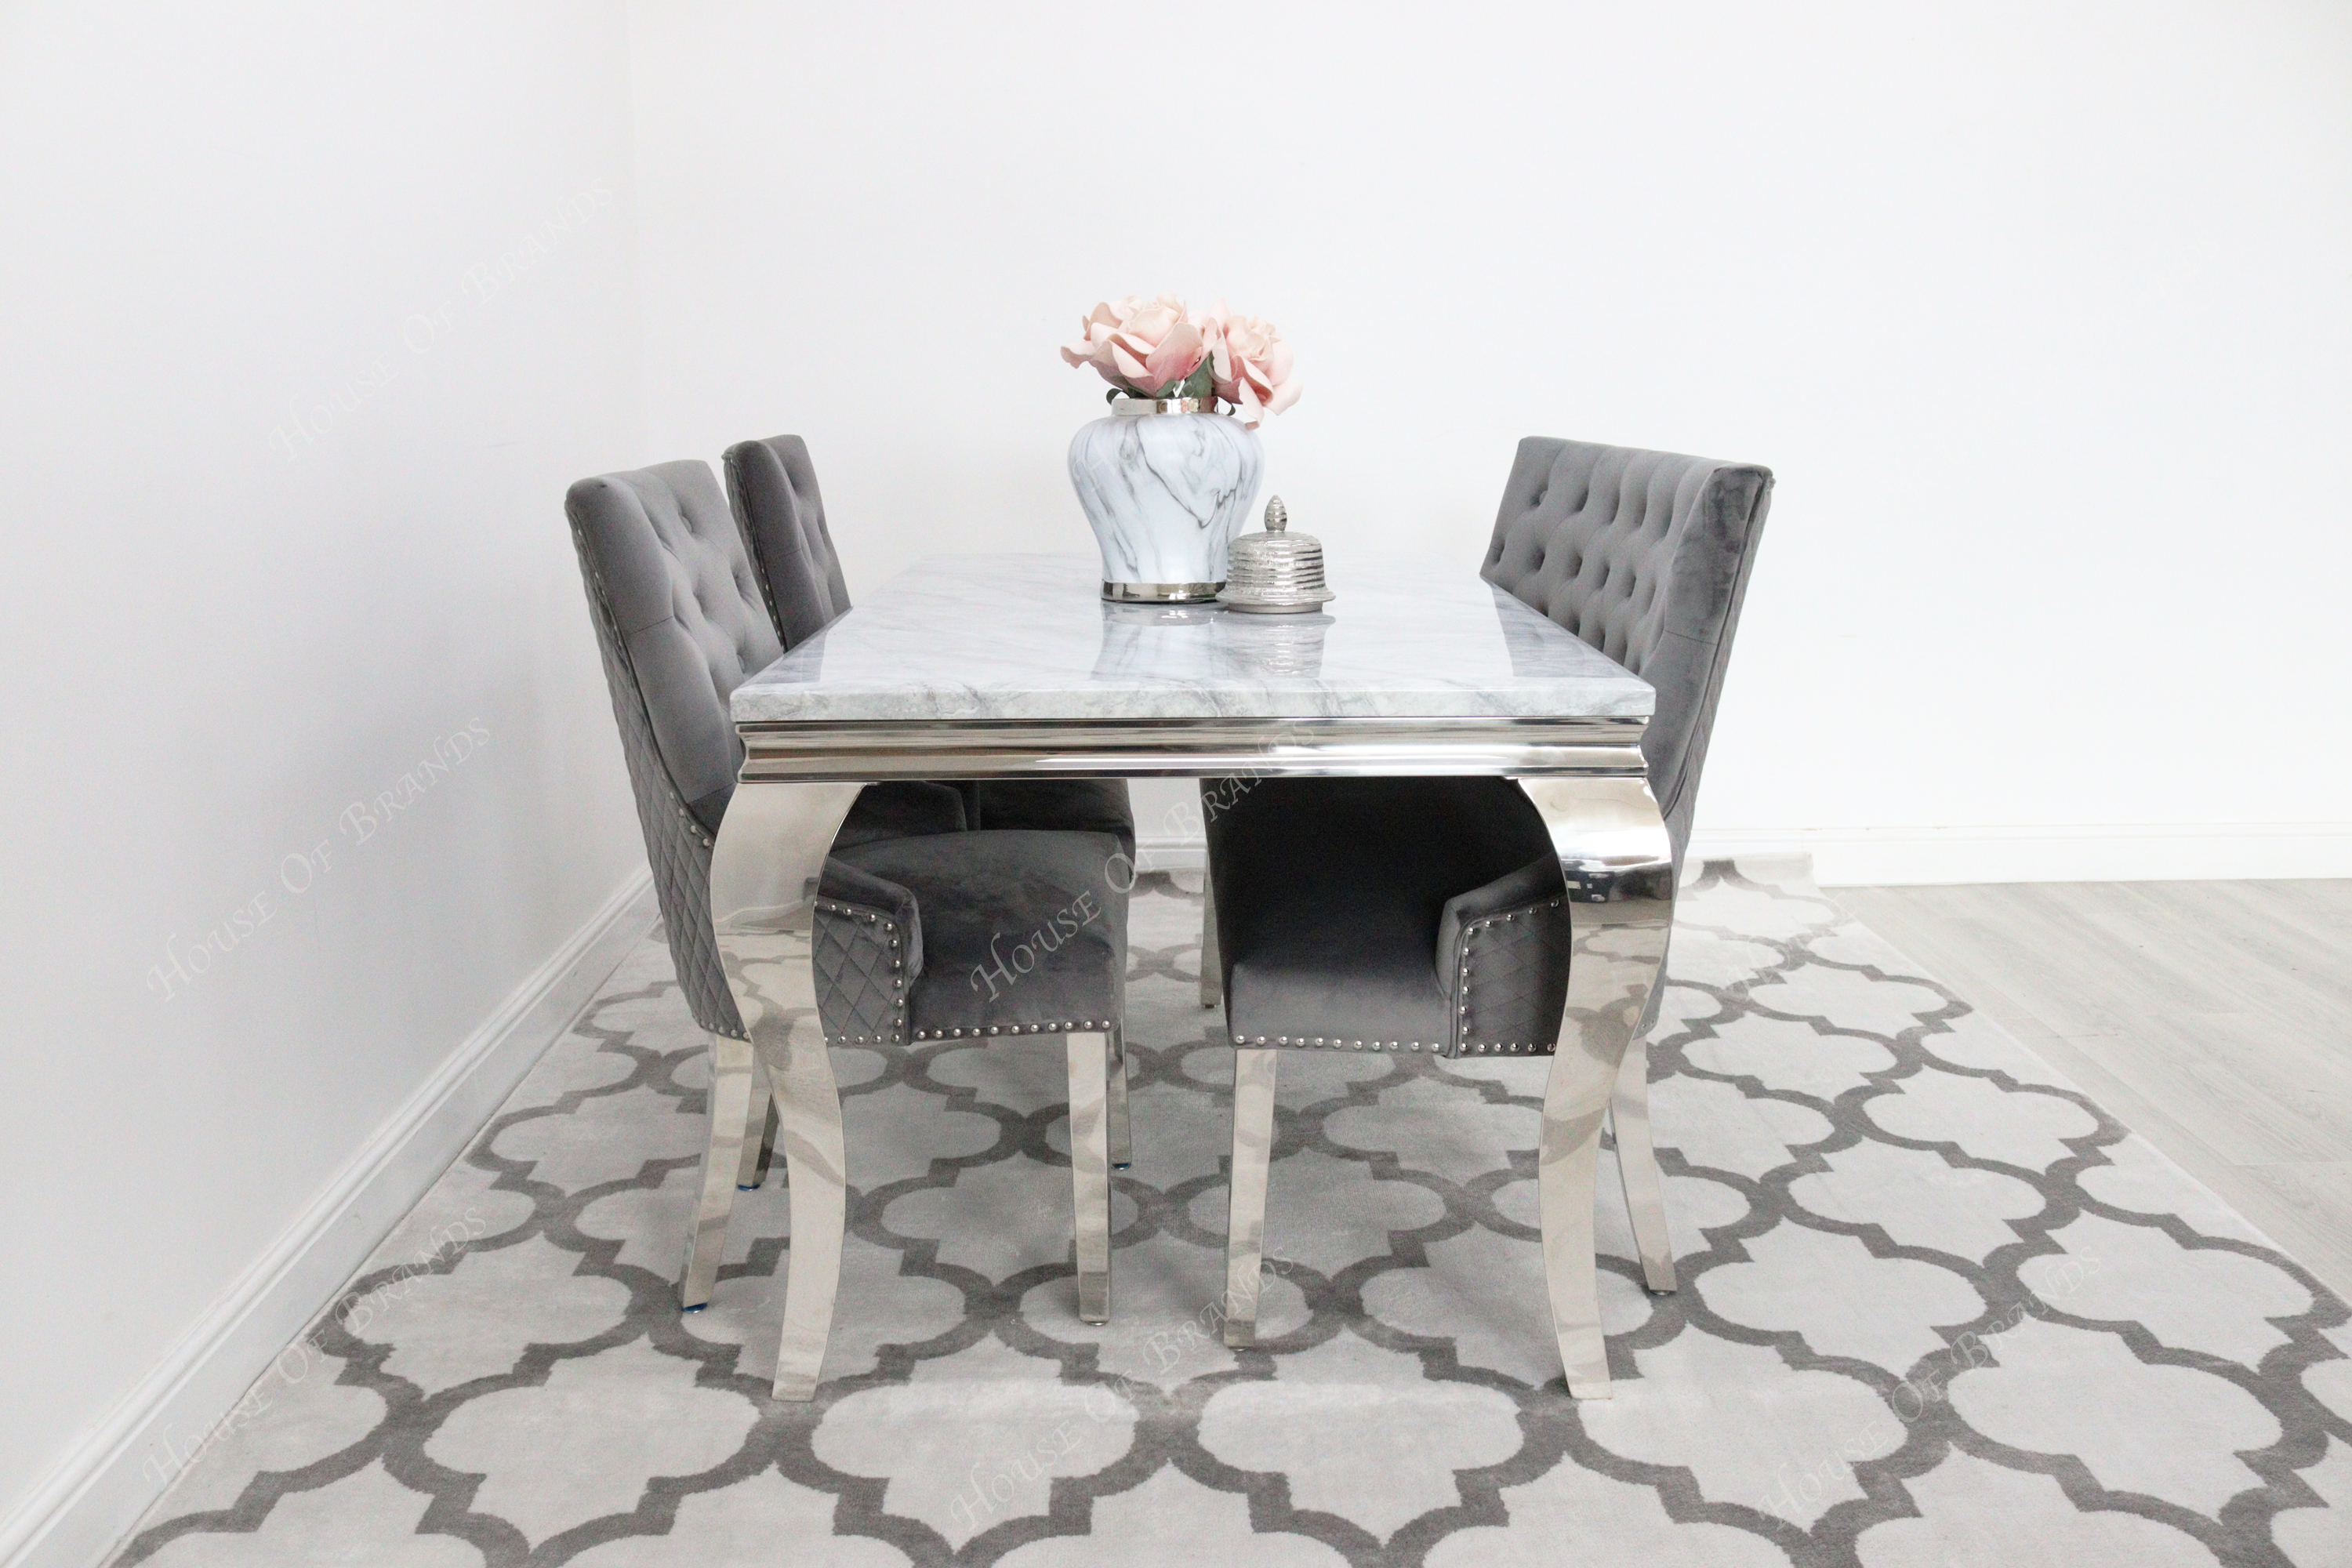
(1251, 364)
(1144, 346)
(1151, 347)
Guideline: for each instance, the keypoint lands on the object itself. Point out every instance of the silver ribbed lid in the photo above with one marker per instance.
(1276, 572)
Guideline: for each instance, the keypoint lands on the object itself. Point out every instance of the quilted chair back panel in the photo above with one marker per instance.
(680, 622)
(782, 515)
(1645, 555)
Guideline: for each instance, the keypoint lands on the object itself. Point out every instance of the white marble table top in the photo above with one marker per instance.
(1028, 638)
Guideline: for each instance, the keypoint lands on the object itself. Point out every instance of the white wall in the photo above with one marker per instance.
(2042, 314)
(310, 315)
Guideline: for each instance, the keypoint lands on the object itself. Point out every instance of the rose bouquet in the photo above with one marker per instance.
(1156, 348)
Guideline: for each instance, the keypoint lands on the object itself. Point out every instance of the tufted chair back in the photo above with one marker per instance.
(681, 622)
(780, 512)
(1645, 555)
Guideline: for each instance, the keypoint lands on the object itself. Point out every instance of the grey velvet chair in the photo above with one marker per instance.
(1431, 915)
(909, 899)
(780, 510)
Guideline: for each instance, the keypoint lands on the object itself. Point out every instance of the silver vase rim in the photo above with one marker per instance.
(1160, 593)
(1128, 407)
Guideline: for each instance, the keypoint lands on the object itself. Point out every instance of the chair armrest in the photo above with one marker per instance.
(1502, 960)
(868, 951)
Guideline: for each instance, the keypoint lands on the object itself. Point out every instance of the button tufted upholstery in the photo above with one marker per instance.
(681, 619)
(685, 605)
(781, 513)
(1645, 556)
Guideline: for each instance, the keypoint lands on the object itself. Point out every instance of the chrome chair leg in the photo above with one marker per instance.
(730, 1107)
(1122, 1135)
(759, 1132)
(1212, 970)
(1253, 1076)
(808, 1103)
(1089, 1057)
(1637, 1164)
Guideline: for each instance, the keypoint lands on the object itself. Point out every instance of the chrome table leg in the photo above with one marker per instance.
(731, 1097)
(1253, 1076)
(1618, 863)
(1090, 1056)
(763, 880)
(1637, 1165)
(1122, 1133)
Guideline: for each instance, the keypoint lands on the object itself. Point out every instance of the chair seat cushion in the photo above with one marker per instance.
(1021, 929)
(1331, 894)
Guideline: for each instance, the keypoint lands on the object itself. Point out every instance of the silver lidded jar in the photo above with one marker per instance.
(1276, 573)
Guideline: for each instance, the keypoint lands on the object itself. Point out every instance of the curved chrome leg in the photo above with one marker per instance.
(816, 1171)
(1613, 849)
(763, 881)
(1253, 1076)
(1122, 1134)
(730, 1106)
(1090, 1056)
(759, 1132)
(1213, 965)
(1637, 1164)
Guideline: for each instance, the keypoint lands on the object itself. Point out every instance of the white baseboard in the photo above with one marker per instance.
(80, 1511)
(1166, 854)
(2071, 852)
(1879, 857)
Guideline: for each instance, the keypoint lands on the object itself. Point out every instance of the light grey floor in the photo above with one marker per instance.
(2213, 1018)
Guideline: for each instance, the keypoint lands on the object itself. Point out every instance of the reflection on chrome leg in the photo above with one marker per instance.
(1212, 976)
(731, 1104)
(759, 1132)
(1254, 1077)
(1637, 1164)
(769, 1127)
(1122, 1136)
(1089, 1059)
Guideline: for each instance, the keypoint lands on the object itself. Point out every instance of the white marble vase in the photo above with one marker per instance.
(1166, 489)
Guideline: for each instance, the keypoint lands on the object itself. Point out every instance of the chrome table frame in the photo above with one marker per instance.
(798, 781)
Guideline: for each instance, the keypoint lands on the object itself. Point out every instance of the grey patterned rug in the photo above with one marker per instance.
(1936, 1310)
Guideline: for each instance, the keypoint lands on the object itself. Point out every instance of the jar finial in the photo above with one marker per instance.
(1278, 516)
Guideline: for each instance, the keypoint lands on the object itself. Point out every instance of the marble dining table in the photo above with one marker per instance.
(1011, 666)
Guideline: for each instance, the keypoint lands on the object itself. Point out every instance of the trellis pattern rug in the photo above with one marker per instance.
(1936, 1310)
